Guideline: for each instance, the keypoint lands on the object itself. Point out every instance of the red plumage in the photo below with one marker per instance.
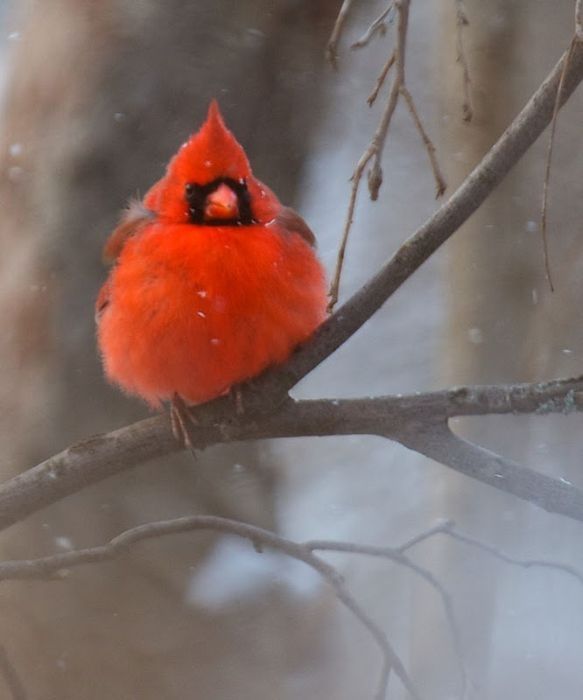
(214, 280)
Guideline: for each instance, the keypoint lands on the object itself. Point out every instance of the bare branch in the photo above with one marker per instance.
(381, 79)
(396, 417)
(376, 146)
(396, 555)
(332, 46)
(461, 23)
(547, 177)
(100, 457)
(440, 444)
(375, 180)
(579, 20)
(11, 678)
(450, 531)
(491, 170)
(378, 25)
(440, 184)
(447, 527)
(57, 564)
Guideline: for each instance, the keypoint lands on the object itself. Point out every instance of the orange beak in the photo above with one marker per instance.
(221, 204)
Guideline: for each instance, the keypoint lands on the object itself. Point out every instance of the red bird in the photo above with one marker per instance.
(214, 279)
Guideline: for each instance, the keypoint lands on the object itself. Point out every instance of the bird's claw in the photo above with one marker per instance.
(182, 422)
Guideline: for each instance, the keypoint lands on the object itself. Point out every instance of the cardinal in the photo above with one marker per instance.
(213, 280)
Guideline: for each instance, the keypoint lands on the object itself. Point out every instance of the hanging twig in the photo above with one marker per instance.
(461, 23)
(440, 184)
(332, 46)
(374, 151)
(381, 79)
(378, 25)
(551, 142)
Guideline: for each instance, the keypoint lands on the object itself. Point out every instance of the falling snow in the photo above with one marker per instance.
(475, 336)
(15, 150)
(531, 226)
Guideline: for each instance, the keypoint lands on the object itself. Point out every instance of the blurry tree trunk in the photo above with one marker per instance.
(100, 95)
(497, 290)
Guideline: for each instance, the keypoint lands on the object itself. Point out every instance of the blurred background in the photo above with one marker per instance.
(95, 97)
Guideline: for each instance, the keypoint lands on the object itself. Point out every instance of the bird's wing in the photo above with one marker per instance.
(293, 222)
(133, 219)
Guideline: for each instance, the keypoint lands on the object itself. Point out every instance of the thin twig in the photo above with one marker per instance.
(447, 527)
(502, 556)
(11, 677)
(440, 184)
(381, 79)
(437, 529)
(332, 46)
(547, 177)
(57, 564)
(375, 180)
(461, 23)
(418, 248)
(378, 25)
(374, 151)
(396, 555)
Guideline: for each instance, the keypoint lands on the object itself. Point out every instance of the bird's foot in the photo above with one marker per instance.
(182, 422)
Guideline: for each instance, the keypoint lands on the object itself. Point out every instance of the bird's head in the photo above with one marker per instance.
(209, 182)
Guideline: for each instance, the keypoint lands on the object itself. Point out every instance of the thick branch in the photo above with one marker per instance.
(400, 418)
(553, 495)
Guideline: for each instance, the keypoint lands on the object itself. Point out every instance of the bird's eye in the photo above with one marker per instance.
(189, 189)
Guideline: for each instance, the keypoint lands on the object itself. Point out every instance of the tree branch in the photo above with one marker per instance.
(448, 529)
(377, 26)
(396, 555)
(553, 495)
(57, 564)
(271, 414)
(411, 420)
(486, 176)
(374, 151)
(332, 46)
(461, 23)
